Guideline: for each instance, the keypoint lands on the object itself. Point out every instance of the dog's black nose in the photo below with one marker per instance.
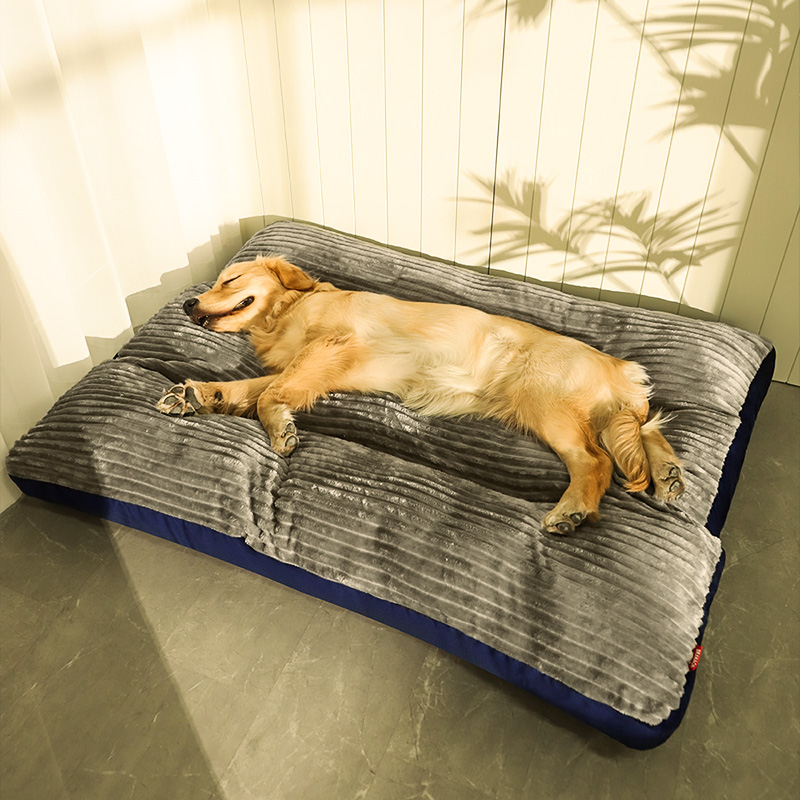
(189, 305)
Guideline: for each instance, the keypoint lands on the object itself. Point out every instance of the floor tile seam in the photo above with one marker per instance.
(169, 640)
(733, 560)
(186, 610)
(454, 779)
(79, 588)
(62, 610)
(390, 737)
(224, 773)
(65, 776)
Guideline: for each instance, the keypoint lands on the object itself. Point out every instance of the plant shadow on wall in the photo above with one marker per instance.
(522, 12)
(585, 235)
(760, 37)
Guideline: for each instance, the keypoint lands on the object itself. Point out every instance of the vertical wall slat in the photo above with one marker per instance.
(650, 123)
(443, 26)
(151, 207)
(688, 214)
(512, 187)
(481, 77)
(781, 322)
(569, 54)
(617, 50)
(794, 372)
(332, 94)
(742, 146)
(297, 88)
(269, 126)
(37, 89)
(30, 239)
(365, 32)
(657, 282)
(768, 223)
(403, 53)
(615, 61)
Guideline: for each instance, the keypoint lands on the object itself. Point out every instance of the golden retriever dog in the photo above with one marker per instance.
(590, 408)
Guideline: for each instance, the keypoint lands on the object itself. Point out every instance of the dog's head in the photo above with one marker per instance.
(245, 293)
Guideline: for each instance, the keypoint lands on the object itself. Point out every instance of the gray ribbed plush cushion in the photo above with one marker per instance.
(440, 516)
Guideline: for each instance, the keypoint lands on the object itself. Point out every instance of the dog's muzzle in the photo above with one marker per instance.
(190, 307)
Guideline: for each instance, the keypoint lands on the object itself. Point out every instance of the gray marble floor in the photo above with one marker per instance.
(134, 668)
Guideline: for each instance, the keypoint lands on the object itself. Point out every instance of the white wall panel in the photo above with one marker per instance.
(443, 28)
(743, 135)
(512, 189)
(569, 58)
(146, 209)
(299, 105)
(31, 259)
(331, 76)
(403, 54)
(269, 126)
(794, 372)
(481, 77)
(365, 48)
(769, 216)
(37, 92)
(617, 51)
(652, 119)
(684, 208)
(781, 323)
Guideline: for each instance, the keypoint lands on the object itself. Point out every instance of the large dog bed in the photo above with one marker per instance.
(432, 525)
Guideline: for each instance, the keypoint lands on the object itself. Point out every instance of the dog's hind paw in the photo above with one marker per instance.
(180, 401)
(668, 482)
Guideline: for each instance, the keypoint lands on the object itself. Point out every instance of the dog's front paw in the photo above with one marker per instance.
(563, 520)
(668, 482)
(181, 401)
(286, 440)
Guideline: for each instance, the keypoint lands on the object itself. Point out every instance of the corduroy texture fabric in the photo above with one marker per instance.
(438, 516)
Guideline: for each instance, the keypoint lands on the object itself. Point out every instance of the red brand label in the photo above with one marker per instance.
(695, 657)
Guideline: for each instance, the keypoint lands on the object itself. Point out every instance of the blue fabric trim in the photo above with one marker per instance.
(734, 459)
(235, 551)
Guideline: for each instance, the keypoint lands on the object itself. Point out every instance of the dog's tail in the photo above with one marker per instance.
(623, 438)
(624, 430)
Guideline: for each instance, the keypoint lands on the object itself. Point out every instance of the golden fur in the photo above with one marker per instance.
(591, 408)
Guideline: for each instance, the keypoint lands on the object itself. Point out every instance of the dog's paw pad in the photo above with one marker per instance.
(287, 440)
(179, 401)
(563, 524)
(668, 482)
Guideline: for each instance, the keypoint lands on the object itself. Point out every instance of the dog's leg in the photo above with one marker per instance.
(665, 467)
(589, 468)
(320, 368)
(237, 398)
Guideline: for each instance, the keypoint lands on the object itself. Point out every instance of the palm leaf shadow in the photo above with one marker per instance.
(524, 228)
(763, 33)
(521, 12)
(665, 242)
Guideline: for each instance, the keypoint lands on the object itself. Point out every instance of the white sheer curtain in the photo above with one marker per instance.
(128, 161)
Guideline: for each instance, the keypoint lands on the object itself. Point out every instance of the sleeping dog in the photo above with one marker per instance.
(591, 408)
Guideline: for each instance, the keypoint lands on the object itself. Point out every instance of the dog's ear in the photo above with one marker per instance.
(289, 275)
